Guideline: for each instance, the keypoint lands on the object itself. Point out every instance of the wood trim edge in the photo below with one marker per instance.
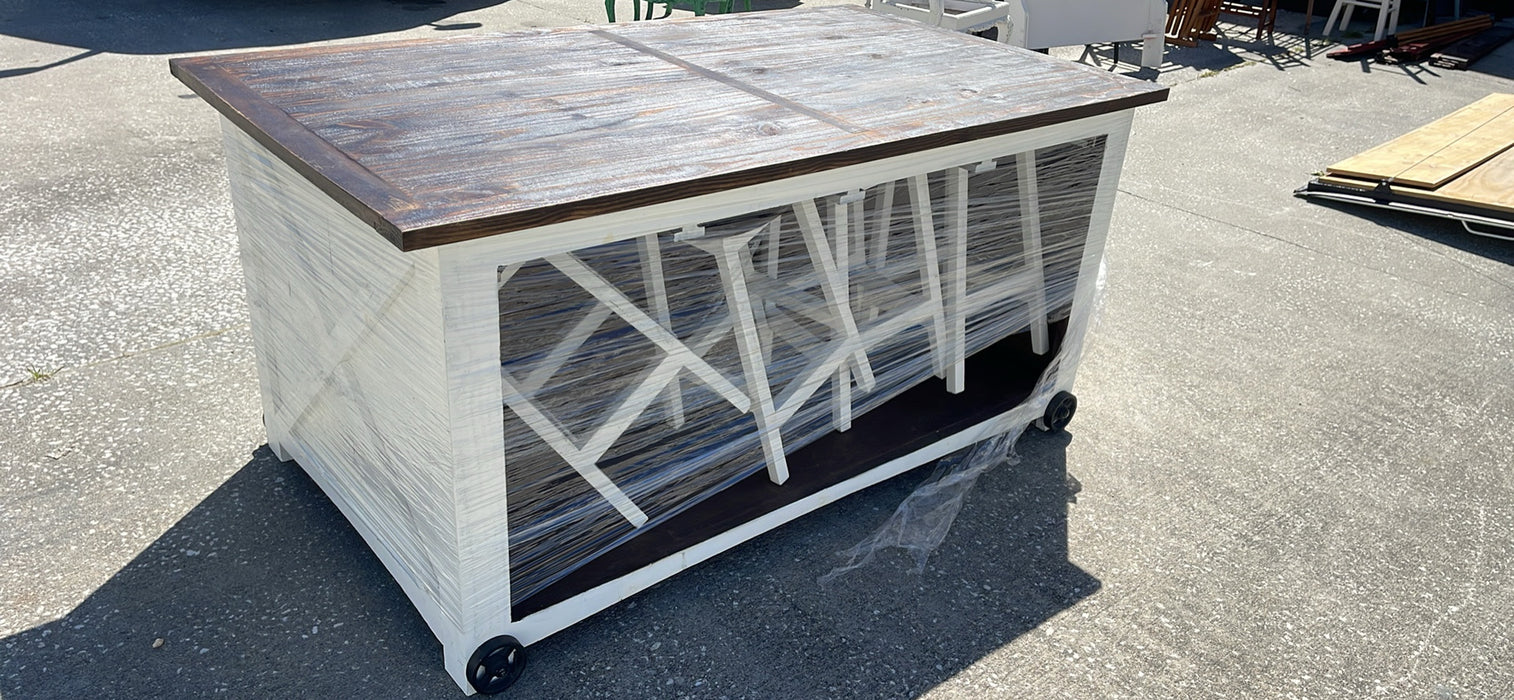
(296, 146)
(422, 237)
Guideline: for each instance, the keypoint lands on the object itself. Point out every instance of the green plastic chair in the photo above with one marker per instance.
(700, 7)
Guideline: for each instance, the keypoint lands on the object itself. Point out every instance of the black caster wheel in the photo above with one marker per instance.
(1058, 413)
(496, 665)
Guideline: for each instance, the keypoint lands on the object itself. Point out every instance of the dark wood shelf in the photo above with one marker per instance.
(1003, 375)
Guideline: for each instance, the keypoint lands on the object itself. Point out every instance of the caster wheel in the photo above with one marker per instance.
(496, 665)
(1059, 413)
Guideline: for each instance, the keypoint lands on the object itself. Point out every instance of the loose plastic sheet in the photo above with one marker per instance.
(646, 375)
(924, 518)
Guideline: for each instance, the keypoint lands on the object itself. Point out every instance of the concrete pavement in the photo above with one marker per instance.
(1290, 475)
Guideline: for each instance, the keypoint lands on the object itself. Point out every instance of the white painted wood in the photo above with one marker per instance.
(564, 349)
(650, 251)
(470, 320)
(583, 459)
(835, 287)
(348, 339)
(1035, 264)
(627, 310)
(1041, 24)
(1387, 15)
(841, 392)
(538, 626)
(956, 15)
(1090, 276)
(879, 255)
(955, 277)
(727, 252)
(427, 323)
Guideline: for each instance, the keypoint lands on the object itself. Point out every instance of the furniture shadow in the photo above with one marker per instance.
(264, 590)
(181, 26)
(1443, 231)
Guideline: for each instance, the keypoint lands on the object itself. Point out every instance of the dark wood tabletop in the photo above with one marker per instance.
(434, 141)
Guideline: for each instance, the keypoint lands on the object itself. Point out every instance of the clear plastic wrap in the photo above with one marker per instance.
(645, 375)
(923, 519)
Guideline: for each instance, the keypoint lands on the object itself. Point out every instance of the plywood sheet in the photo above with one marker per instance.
(1489, 187)
(1434, 154)
(441, 140)
(1490, 184)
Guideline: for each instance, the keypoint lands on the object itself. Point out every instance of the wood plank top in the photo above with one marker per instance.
(435, 141)
(1488, 189)
(1433, 154)
(1488, 185)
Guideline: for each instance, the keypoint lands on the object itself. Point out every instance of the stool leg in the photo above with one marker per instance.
(1346, 17)
(941, 338)
(1335, 14)
(834, 286)
(1382, 20)
(841, 397)
(1035, 264)
(654, 283)
(733, 277)
(955, 282)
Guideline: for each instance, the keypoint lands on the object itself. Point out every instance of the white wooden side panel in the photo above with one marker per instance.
(474, 387)
(1040, 24)
(348, 337)
(381, 370)
(1090, 277)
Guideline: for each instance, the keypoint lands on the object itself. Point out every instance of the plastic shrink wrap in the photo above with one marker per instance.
(560, 372)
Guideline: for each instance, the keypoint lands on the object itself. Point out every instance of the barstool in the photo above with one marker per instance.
(1387, 15)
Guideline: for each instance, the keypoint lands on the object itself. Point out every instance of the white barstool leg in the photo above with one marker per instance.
(1335, 14)
(1382, 19)
(1346, 17)
(841, 397)
(834, 286)
(943, 356)
(1035, 264)
(650, 250)
(728, 258)
(1151, 50)
(956, 275)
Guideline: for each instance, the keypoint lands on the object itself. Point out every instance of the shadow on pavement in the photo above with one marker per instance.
(1443, 231)
(264, 590)
(180, 26)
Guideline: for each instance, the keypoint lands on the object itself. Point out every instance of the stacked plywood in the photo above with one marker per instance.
(1460, 166)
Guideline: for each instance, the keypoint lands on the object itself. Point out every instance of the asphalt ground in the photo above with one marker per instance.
(1290, 474)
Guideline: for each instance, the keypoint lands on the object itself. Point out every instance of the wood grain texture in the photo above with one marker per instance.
(1490, 184)
(1484, 197)
(1433, 154)
(438, 141)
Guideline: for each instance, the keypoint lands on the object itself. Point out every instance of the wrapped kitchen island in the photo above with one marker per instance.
(552, 316)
